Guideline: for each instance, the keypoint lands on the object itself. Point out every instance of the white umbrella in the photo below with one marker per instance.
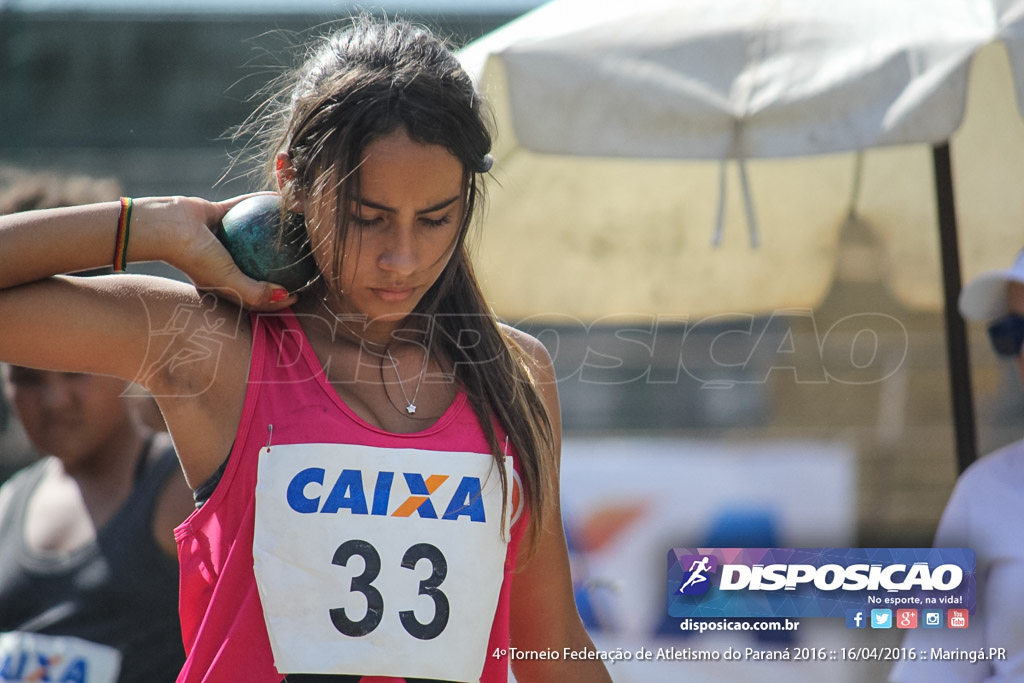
(700, 156)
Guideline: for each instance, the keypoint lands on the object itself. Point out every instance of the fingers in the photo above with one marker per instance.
(273, 297)
(265, 296)
(216, 210)
(233, 284)
(213, 270)
(187, 228)
(228, 203)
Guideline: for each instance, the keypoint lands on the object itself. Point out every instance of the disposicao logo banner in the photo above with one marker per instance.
(816, 582)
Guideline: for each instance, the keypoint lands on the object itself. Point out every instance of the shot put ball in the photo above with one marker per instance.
(250, 234)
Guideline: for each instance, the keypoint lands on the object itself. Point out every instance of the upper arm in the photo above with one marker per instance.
(543, 606)
(188, 349)
(99, 325)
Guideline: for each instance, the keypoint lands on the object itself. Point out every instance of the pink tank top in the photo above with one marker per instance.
(224, 632)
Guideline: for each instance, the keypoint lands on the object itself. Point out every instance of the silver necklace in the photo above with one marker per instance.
(410, 403)
(341, 319)
(410, 406)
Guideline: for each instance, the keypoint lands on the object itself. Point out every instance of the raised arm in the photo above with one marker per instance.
(154, 331)
(544, 615)
(179, 230)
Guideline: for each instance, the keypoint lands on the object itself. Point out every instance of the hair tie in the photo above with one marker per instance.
(486, 163)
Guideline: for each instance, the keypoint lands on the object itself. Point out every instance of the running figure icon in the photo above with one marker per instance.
(696, 570)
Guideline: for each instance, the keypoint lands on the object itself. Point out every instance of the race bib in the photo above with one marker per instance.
(379, 561)
(35, 657)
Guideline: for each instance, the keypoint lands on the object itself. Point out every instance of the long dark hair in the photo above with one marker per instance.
(360, 84)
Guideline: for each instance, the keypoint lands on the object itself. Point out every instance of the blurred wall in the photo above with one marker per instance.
(147, 98)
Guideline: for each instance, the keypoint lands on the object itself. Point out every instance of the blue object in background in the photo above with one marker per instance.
(737, 527)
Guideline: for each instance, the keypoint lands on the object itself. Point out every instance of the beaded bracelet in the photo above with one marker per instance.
(121, 243)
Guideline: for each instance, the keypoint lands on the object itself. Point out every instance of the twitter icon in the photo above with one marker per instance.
(881, 618)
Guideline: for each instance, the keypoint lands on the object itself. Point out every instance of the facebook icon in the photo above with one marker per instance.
(856, 618)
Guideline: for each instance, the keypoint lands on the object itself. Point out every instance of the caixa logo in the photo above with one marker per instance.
(308, 492)
(36, 667)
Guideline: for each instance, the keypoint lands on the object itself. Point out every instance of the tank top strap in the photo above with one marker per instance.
(281, 348)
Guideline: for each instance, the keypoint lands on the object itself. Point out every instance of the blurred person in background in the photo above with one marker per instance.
(88, 567)
(984, 513)
(23, 190)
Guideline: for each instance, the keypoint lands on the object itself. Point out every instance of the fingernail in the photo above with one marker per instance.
(279, 295)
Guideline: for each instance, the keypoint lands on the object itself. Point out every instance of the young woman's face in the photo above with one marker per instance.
(402, 228)
(73, 416)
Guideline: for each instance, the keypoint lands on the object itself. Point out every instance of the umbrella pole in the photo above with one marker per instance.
(956, 335)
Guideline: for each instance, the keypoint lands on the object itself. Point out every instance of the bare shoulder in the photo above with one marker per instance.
(531, 346)
(190, 335)
(196, 365)
(117, 323)
(542, 372)
(188, 348)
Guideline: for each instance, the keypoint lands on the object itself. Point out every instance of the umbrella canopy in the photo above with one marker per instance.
(698, 157)
(663, 157)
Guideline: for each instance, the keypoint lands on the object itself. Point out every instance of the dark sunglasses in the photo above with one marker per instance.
(1007, 334)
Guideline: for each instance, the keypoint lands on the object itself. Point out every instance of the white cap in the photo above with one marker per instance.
(984, 297)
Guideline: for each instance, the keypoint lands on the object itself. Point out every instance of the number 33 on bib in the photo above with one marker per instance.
(378, 561)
